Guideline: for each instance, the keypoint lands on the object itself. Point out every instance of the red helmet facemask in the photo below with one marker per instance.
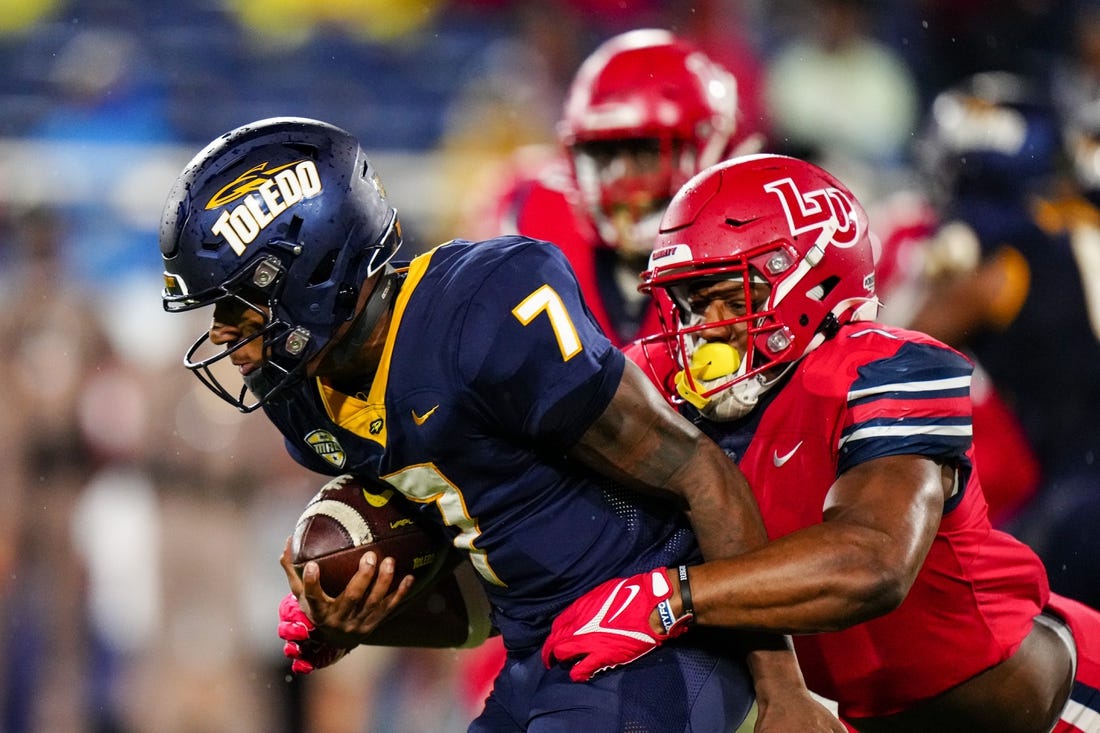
(796, 243)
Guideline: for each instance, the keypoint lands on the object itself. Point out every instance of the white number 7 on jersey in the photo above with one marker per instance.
(545, 299)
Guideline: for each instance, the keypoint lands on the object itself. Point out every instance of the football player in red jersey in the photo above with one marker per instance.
(906, 606)
(645, 112)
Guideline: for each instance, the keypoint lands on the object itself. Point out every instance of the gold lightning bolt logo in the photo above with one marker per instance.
(246, 183)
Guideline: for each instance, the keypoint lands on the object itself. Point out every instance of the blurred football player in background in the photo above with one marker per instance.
(645, 112)
(1015, 273)
(907, 607)
(474, 380)
(910, 255)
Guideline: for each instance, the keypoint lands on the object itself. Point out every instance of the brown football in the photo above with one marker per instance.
(353, 514)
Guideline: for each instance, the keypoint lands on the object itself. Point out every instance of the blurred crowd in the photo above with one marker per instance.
(140, 522)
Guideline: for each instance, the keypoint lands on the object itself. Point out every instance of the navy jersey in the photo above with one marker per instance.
(1044, 359)
(493, 367)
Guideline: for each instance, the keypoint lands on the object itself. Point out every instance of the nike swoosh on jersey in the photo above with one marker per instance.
(421, 419)
(779, 460)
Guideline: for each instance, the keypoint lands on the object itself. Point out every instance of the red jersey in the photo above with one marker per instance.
(873, 391)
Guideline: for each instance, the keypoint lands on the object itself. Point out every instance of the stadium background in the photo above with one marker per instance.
(140, 518)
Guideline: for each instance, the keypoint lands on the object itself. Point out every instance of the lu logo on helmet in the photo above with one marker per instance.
(816, 210)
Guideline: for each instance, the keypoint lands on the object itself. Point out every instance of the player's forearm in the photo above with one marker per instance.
(644, 443)
(774, 667)
(819, 579)
(720, 504)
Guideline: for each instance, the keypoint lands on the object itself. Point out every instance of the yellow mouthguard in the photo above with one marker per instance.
(712, 360)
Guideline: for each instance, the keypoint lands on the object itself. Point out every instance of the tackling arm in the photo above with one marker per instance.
(643, 442)
(880, 520)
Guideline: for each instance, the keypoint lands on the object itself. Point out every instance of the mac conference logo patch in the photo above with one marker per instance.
(325, 445)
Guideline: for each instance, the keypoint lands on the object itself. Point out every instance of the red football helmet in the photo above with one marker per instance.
(646, 112)
(764, 220)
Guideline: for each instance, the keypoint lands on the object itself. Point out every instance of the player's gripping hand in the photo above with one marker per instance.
(610, 625)
(305, 652)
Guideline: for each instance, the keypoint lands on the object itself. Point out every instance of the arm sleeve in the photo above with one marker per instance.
(916, 401)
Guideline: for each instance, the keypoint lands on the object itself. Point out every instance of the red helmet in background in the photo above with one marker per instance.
(761, 220)
(646, 112)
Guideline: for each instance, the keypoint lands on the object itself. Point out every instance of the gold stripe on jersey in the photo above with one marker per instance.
(367, 418)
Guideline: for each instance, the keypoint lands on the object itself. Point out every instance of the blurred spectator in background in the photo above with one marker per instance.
(290, 23)
(19, 15)
(54, 344)
(839, 96)
(105, 91)
(947, 41)
(1075, 73)
(1007, 280)
(107, 103)
(510, 103)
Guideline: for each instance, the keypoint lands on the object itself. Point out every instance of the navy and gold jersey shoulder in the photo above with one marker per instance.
(518, 339)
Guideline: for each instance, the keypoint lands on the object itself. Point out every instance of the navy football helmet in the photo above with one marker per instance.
(995, 133)
(285, 216)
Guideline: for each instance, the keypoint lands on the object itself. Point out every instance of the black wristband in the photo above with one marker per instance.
(687, 607)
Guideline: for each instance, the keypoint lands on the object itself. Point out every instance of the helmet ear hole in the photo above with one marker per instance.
(346, 298)
(323, 271)
(294, 229)
(821, 291)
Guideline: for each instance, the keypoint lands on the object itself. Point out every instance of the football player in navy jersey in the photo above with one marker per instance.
(1019, 267)
(907, 608)
(646, 110)
(476, 382)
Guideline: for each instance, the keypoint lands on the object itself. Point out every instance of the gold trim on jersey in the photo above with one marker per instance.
(1015, 284)
(367, 417)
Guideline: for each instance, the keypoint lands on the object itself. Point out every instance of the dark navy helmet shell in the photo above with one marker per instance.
(287, 216)
(993, 133)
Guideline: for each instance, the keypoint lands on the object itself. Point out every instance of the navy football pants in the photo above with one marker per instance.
(678, 687)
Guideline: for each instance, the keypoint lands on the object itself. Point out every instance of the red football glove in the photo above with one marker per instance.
(295, 629)
(609, 625)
